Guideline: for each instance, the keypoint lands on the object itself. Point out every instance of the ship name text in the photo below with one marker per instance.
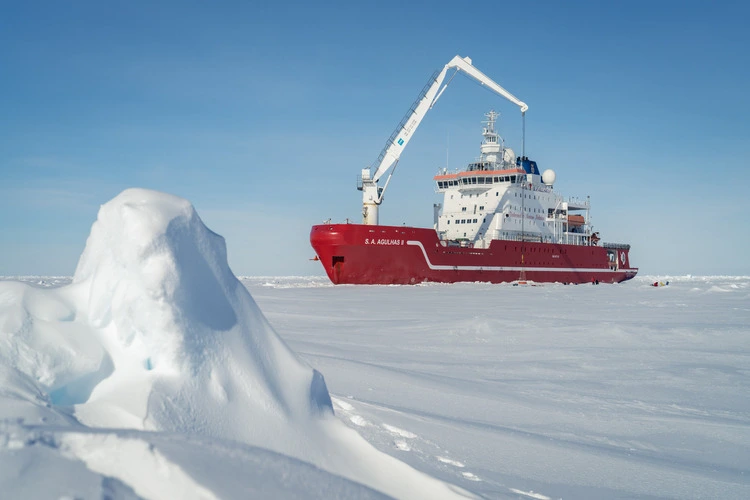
(381, 241)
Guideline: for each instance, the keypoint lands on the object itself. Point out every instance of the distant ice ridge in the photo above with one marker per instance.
(155, 333)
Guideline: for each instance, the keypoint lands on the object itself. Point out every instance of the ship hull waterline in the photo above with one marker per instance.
(388, 255)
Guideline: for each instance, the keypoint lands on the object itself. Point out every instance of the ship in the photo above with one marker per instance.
(501, 221)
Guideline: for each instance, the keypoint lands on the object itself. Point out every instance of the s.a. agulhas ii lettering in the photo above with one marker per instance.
(373, 241)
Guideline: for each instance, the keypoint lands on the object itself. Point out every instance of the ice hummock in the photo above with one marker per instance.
(155, 333)
(175, 318)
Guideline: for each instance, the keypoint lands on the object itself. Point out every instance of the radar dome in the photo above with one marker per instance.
(548, 177)
(509, 156)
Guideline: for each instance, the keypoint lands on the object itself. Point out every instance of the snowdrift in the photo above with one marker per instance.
(155, 333)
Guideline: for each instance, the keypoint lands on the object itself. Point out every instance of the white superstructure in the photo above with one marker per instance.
(504, 197)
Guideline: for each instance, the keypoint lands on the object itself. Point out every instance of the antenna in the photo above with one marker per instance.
(447, 146)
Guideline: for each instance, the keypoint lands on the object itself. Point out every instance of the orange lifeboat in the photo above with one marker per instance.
(576, 220)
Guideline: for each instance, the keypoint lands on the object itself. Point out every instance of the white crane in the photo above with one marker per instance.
(372, 193)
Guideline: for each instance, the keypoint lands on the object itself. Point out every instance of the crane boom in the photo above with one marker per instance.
(388, 159)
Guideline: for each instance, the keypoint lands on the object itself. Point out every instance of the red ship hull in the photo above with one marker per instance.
(385, 255)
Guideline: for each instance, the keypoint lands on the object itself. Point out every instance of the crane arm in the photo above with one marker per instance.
(464, 64)
(427, 98)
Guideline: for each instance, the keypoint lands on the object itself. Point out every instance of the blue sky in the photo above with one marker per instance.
(263, 116)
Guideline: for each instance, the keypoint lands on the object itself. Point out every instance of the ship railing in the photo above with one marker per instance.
(576, 239)
(578, 204)
(618, 246)
(564, 238)
(531, 238)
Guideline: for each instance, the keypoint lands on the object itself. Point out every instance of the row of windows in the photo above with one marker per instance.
(470, 195)
(481, 207)
(463, 221)
(465, 181)
(526, 220)
(527, 209)
(514, 207)
(531, 196)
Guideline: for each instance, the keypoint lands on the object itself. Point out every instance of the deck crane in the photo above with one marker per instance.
(372, 193)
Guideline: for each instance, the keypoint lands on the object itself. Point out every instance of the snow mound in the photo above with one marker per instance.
(155, 333)
(156, 284)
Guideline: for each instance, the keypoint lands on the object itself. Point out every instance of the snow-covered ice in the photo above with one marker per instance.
(551, 391)
(152, 373)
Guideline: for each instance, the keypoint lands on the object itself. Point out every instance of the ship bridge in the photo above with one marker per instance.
(477, 177)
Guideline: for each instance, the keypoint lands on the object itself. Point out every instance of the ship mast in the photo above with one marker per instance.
(492, 147)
